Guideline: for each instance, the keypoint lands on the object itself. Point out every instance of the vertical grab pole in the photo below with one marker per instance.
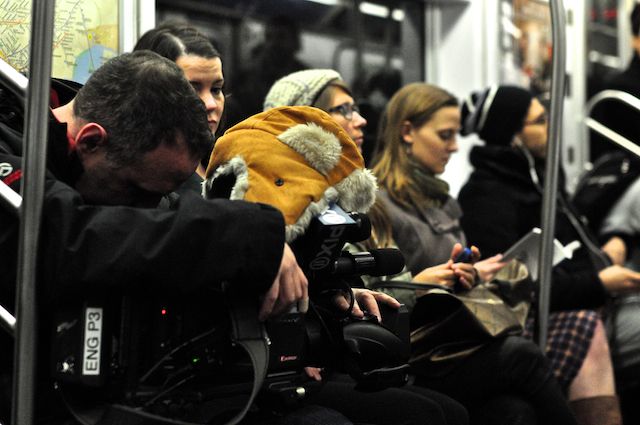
(548, 213)
(34, 166)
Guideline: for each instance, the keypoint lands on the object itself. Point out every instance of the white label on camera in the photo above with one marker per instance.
(92, 341)
(332, 217)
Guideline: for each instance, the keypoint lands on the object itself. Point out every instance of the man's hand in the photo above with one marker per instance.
(289, 286)
(368, 300)
(617, 279)
(314, 373)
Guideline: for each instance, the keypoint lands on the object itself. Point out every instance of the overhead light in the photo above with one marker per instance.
(398, 15)
(380, 11)
(374, 9)
(327, 2)
(368, 8)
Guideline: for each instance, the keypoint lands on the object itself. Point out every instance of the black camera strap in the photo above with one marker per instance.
(246, 331)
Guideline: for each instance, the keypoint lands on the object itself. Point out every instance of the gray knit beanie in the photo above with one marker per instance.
(300, 88)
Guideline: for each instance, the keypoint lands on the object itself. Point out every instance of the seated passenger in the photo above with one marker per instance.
(301, 161)
(623, 222)
(326, 90)
(130, 136)
(202, 66)
(504, 199)
(415, 143)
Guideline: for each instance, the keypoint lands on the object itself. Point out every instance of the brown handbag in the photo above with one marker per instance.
(447, 327)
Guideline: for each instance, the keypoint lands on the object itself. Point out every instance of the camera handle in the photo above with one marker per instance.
(246, 331)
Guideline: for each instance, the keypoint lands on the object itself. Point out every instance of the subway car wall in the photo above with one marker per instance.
(459, 45)
(378, 45)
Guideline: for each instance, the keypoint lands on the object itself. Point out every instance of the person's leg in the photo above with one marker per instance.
(314, 415)
(595, 377)
(592, 393)
(506, 409)
(510, 365)
(454, 413)
(391, 406)
(623, 325)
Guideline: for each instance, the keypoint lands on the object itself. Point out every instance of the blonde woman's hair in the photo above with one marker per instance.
(415, 103)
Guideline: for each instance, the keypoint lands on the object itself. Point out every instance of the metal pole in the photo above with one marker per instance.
(358, 38)
(34, 163)
(548, 213)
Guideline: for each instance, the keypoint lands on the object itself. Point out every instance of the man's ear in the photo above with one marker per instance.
(405, 132)
(90, 138)
(635, 43)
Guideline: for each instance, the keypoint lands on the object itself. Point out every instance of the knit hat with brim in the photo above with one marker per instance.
(297, 159)
(300, 88)
(496, 114)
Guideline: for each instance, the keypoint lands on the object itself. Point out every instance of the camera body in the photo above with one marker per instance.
(145, 348)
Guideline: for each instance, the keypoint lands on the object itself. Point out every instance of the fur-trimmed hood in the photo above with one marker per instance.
(297, 159)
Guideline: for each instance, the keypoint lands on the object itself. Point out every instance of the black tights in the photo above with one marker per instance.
(511, 366)
(408, 405)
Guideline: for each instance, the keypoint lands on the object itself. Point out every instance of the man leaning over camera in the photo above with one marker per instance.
(129, 137)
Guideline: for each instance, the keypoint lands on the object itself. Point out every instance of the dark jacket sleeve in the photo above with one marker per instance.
(576, 289)
(493, 222)
(489, 222)
(199, 242)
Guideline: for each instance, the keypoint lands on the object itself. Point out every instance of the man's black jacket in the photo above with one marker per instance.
(88, 250)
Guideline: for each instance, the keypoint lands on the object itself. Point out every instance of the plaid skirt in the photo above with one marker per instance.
(569, 338)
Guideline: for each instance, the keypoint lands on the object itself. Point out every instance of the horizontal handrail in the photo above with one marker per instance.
(13, 80)
(17, 84)
(8, 321)
(10, 199)
(598, 127)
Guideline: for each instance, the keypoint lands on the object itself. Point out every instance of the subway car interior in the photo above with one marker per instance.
(456, 184)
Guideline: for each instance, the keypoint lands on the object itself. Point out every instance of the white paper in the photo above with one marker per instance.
(527, 250)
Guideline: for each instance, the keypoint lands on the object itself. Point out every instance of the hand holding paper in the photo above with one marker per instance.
(527, 250)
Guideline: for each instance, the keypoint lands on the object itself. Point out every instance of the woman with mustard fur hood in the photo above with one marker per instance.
(299, 160)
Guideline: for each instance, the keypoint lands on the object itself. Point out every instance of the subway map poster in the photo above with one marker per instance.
(85, 35)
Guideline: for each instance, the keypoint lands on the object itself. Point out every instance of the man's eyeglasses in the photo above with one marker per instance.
(345, 109)
(541, 120)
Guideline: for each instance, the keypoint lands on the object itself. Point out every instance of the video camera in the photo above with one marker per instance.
(152, 352)
(374, 354)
